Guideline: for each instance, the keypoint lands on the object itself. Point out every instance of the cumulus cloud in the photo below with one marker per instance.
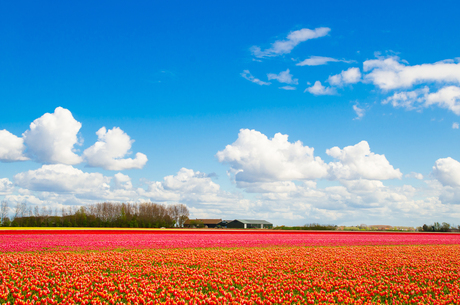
(109, 150)
(447, 98)
(455, 125)
(51, 138)
(447, 171)
(11, 147)
(414, 175)
(281, 47)
(247, 75)
(122, 182)
(197, 190)
(6, 186)
(358, 161)
(359, 112)
(320, 60)
(391, 73)
(362, 185)
(190, 181)
(61, 178)
(318, 89)
(186, 185)
(283, 77)
(253, 157)
(350, 76)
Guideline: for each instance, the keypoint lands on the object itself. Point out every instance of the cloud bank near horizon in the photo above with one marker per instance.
(280, 177)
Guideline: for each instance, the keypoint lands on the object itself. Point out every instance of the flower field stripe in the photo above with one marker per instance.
(15, 241)
(403, 274)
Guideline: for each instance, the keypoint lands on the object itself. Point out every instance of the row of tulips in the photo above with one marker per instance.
(400, 274)
(103, 240)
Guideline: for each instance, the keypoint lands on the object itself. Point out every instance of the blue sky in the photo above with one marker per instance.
(192, 95)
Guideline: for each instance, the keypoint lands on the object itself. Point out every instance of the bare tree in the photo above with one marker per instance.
(3, 211)
(183, 215)
(36, 211)
(20, 210)
(27, 211)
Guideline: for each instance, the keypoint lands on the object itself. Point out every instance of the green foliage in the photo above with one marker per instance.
(117, 215)
(437, 227)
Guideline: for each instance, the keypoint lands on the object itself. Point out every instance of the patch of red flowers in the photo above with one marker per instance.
(424, 274)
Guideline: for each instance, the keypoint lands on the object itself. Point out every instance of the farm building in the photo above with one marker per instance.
(249, 224)
(202, 223)
(224, 223)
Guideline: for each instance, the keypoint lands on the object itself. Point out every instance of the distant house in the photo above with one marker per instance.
(202, 223)
(224, 223)
(249, 224)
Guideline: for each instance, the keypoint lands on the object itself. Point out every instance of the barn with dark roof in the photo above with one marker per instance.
(249, 224)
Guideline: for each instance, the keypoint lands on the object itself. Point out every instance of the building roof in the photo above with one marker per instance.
(227, 220)
(253, 221)
(204, 221)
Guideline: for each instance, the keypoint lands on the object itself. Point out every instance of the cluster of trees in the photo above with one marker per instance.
(437, 227)
(310, 226)
(107, 214)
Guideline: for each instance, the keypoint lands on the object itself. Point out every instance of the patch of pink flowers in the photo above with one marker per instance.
(55, 240)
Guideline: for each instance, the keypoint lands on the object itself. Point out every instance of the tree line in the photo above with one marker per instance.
(438, 227)
(106, 214)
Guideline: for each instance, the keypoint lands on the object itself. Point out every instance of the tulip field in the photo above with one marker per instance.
(228, 267)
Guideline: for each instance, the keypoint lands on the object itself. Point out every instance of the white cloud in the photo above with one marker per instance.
(318, 89)
(447, 98)
(455, 125)
(316, 61)
(359, 112)
(28, 199)
(283, 77)
(358, 161)
(389, 73)
(60, 178)
(358, 200)
(268, 187)
(6, 186)
(280, 47)
(197, 190)
(409, 99)
(447, 171)
(109, 150)
(288, 88)
(190, 181)
(122, 182)
(11, 147)
(362, 185)
(51, 138)
(255, 158)
(414, 175)
(247, 75)
(350, 76)
(320, 60)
